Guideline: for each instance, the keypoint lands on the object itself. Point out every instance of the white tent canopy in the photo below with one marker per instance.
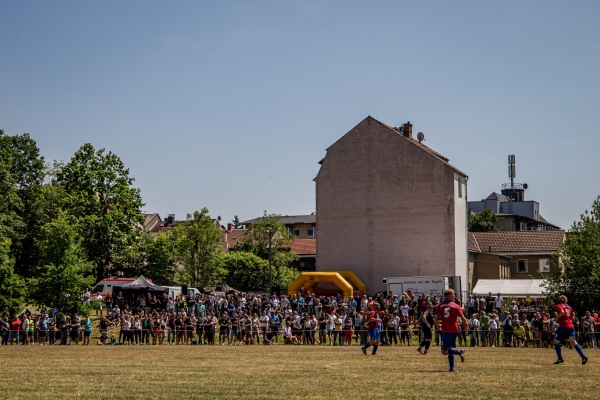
(510, 287)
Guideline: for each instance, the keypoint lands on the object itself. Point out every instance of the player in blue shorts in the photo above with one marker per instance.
(374, 329)
(566, 330)
(449, 312)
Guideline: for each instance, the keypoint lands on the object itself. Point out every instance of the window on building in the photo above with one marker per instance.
(296, 232)
(311, 233)
(460, 187)
(504, 271)
(544, 265)
(522, 266)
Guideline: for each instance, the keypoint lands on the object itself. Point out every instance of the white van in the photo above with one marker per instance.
(106, 287)
(175, 291)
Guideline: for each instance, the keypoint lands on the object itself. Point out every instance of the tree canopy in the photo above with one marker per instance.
(270, 240)
(22, 172)
(12, 287)
(199, 249)
(578, 260)
(483, 221)
(105, 205)
(63, 272)
(64, 226)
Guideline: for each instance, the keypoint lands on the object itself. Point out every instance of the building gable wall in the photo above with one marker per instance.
(394, 203)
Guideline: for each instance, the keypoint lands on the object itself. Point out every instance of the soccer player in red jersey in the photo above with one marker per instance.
(566, 330)
(374, 329)
(449, 312)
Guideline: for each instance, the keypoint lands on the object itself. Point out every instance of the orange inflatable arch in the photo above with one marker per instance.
(345, 280)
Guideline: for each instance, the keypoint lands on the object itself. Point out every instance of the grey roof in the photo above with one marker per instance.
(289, 219)
(497, 196)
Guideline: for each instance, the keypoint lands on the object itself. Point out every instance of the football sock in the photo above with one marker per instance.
(427, 345)
(366, 346)
(375, 346)
(451, 360)
(558, 349)
(453, 352)
(579, 350)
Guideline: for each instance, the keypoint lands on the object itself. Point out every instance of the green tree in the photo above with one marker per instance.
(270, 240)
(12, 287)
(236, 222)
(246, 271)
(11, 224)
(63, 273)
(484, 221)
(160, 262)
(151, 257)
(106, 207)
(578, 260)
(199, 249)
(22, 173)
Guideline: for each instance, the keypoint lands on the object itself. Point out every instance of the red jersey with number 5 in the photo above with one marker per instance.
(449, 312)
(566, 320)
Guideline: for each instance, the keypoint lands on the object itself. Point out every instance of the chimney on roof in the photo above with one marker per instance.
(229, 227)
(406, 130)
(170, 218)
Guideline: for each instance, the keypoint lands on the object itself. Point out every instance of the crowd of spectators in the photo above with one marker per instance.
(249, 319)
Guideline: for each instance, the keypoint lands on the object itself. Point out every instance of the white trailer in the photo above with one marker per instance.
(430, 285)
(175, 291)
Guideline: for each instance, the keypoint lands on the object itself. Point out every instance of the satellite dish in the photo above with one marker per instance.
(420, 136)
(525, 186)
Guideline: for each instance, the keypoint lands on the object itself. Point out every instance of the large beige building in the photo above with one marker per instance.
(387, 205)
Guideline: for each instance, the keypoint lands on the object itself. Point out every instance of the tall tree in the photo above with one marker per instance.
(151, 257)
(63, 271)
(484, 221)
(578, 259)
(246, 271)
(160, 260)
(199, 249)
(12, 287)
(22, 173)
(270, 240)
(100, 197)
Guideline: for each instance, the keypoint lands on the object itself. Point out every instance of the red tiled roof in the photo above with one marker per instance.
(234, 236)
(517, 242)
(473, 245)
(304, 247)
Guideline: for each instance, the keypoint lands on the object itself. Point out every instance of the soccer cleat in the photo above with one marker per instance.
(419, 350)
(425, 353)
(559, 361)
(584, 360)
(462, 356)
(451, 370)
(364, 350)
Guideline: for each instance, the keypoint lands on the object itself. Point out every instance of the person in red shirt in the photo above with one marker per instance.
(374, 329)
(449, 312)
(566, 330)
(15, 328)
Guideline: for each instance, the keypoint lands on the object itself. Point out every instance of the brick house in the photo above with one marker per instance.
(513, 254)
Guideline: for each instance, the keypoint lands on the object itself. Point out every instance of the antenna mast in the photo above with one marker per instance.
(512, 170)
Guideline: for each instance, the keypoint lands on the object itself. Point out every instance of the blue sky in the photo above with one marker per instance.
(231, 104)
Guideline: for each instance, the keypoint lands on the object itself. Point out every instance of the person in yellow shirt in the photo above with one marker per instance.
(518, 334)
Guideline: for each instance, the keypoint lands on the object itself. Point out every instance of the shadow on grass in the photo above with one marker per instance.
(436, 371)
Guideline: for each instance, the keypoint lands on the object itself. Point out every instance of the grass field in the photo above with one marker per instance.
(291, 372)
